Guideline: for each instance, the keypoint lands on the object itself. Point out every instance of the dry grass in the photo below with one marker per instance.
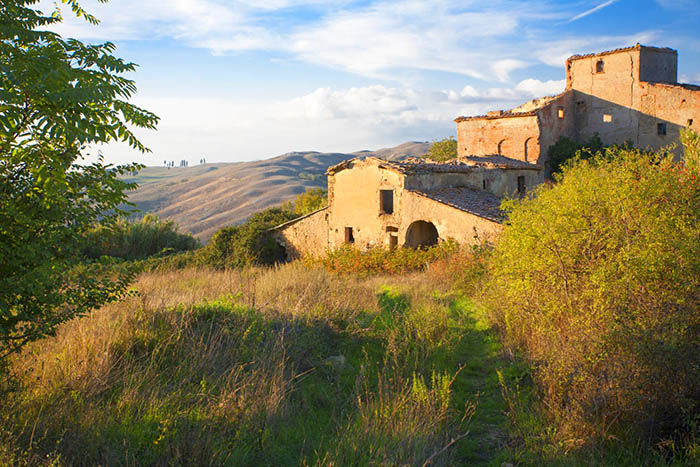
(241, 367)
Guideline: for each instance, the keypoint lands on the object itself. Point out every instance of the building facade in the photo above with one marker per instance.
(622, 95)
(629, 94)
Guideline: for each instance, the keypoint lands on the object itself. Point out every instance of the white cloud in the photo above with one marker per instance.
(537, 88)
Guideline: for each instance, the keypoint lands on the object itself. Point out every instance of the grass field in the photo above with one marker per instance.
(282, 366)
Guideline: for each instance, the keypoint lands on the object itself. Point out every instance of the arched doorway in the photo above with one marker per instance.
(421, 233)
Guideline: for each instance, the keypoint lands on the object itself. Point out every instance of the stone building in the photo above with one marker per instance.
(622, 95)
(628, 94)
(373, 202)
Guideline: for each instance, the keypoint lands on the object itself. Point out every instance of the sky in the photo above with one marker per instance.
(238, 80)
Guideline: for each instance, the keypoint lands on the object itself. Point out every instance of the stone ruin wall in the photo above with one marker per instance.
(309, 234)
(633, 95)
(516, 137)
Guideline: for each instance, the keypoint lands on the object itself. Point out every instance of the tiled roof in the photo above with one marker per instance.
(478, 202)
(499, 161)
(409, 166)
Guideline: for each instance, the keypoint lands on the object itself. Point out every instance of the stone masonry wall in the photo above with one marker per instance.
(308, 235)
(516, 137)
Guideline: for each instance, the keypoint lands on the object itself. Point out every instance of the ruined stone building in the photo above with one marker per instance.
(622, 95)
(629, 94)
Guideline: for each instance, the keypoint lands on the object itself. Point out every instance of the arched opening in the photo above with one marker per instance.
(502, 146)
(420, 234)
(530, 150)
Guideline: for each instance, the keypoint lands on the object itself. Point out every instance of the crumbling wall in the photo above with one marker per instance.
(356, 203)
(516, 137)
(306, 236)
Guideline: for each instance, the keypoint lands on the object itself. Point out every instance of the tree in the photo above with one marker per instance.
(249, 243)
(565, 149)
(311, 200)
(596, 280)
(57, 97)
(443, 150)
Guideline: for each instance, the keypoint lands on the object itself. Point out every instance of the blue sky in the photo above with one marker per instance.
(246, 79)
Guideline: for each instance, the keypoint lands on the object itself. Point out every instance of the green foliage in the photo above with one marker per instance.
(690, 140)
(349, 260)
(565, 149)
(311, 200)
(137, 240)
(443, 150)
(595, 279)
(57, 97)
(248, 243)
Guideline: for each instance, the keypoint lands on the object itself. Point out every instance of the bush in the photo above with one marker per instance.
(443, 150)
(248, 243)
(137, 240)
(311, 200)
(596, 280)
(349, 260)
(565, 149)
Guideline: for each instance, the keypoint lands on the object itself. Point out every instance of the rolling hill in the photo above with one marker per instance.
(204, 198)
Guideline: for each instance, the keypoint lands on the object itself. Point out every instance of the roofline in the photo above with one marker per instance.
(505, 114)
(294, 221)
(454, 206)
(509, 114)
(637, 46)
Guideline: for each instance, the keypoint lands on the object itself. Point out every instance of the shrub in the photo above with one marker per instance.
(248, 243)
(565, 149)
(349, 260)
(443, 150)
(311, 200)
(137, 240)
(596, 280)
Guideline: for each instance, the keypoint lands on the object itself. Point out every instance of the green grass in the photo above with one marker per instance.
(270, 367)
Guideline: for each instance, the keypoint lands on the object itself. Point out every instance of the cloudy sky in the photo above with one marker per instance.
(237, 80)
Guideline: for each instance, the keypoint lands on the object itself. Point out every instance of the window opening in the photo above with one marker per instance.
(393, 240)
(661, 129)
(607, 118)
(600, 66)
(386, 201)
(560, 112)
(690, 122)
(349, 237)
(521, 185)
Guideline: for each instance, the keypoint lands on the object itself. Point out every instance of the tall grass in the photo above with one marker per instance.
(137, 240)
(276, 366)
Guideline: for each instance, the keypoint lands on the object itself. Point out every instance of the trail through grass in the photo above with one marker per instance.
(283, 366)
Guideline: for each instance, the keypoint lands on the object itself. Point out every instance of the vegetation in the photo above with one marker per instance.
(595, 280)
(48, 200)
(311, 200)
(137, 240)
(566, 149)
(263, 366)
(249, 243)
(443, 150)
(690, 140)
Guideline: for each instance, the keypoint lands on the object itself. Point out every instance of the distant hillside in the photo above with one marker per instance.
(204, 198)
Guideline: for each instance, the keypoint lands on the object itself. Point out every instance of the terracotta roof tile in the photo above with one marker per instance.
(478, 202)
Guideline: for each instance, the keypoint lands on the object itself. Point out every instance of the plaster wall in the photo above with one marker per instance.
(354, 202)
